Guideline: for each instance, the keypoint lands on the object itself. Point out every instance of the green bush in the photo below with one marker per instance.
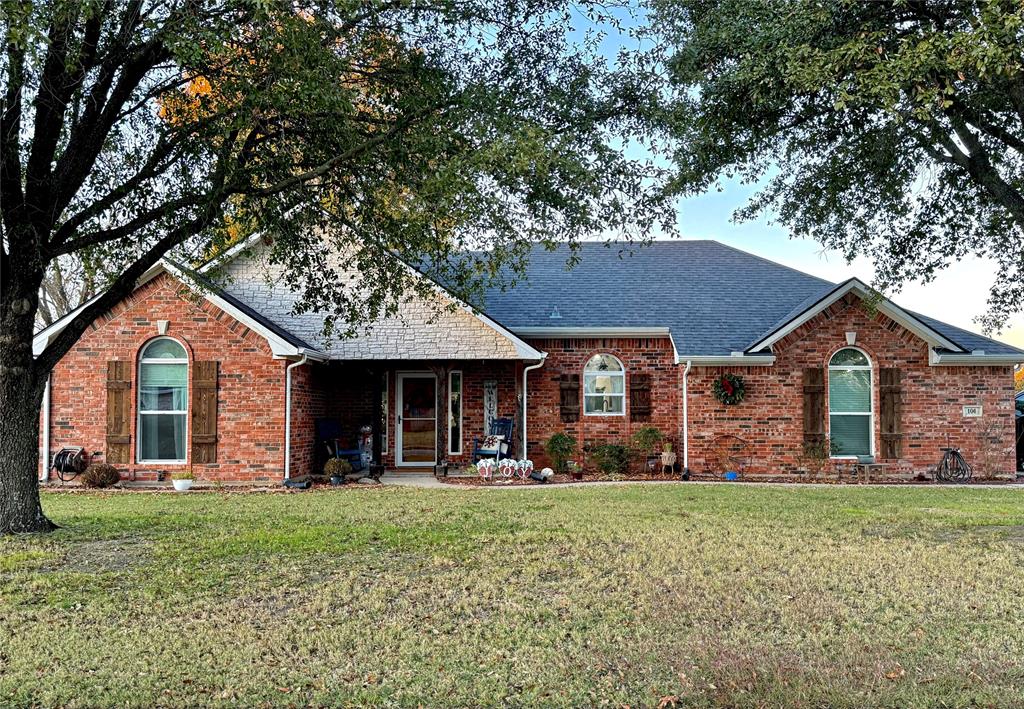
(337, 466)
(648, 439)
(611, 458)
(560, 447)
(100, 475)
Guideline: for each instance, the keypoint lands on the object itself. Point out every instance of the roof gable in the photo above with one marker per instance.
(441, 327)
(895, 313)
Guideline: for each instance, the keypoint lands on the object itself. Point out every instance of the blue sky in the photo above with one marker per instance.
(957, 295)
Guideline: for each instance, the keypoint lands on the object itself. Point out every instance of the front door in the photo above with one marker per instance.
(416, 424)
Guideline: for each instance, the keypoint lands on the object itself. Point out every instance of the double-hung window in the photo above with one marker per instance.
(604, 386)
(163, 402)
(850, 408)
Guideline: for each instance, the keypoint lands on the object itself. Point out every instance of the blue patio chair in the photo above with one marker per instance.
(329, 439)
(499, 427)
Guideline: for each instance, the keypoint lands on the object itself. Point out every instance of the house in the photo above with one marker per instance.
(227, 380)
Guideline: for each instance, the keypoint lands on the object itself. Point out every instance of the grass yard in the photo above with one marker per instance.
(701, 595)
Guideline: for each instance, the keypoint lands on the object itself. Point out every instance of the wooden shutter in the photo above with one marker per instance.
(569, 388)
(204, 412)
(119, 407)
(814, 408)
(640, 397)
(891, 405)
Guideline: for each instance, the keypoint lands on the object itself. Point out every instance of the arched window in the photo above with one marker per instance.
(163, 402)
(850, 407)
(604, 386)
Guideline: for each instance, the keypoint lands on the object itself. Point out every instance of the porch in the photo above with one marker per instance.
(411, 415)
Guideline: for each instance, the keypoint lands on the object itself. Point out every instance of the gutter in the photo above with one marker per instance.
(527, 370)
(46, 430)
(686, 422)
(978, 357)
(734, 360)
(288, 414)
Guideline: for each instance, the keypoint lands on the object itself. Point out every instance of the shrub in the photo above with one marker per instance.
(100, 475)
(648, 439)
(337, 466)
(611, 458)
(183, 475)
(560, 447)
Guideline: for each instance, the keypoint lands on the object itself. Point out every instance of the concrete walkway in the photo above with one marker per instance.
(412, 480)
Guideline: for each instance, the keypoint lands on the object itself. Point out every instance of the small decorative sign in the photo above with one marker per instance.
(972, 412)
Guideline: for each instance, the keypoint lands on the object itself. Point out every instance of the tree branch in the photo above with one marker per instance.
(11, 196)
(151, 169)
(122, 286)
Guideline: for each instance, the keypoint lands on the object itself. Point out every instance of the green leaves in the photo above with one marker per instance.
(890, 129)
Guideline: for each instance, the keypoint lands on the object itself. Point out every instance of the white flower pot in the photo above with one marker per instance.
(182, 485)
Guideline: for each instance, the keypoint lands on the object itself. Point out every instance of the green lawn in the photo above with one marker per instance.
(715, 595)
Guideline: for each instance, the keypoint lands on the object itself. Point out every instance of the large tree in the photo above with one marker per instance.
(134, 129)
(892, 128)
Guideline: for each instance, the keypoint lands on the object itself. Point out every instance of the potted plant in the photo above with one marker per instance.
(336, 469)
(668, 458)
(560, 447)
(183, 481)
(647, 440)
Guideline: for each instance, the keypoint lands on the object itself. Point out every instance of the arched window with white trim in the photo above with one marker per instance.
(850, 403)
(604, 386)
(163, 402)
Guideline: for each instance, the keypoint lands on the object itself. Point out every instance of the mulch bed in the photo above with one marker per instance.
(471, 481)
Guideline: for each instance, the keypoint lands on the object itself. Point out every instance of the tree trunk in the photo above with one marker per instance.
(20, 509)
(21, 393)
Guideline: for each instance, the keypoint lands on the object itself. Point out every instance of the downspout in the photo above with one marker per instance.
(288, 414)
(46, 430)
(686, 422)
(526, 370)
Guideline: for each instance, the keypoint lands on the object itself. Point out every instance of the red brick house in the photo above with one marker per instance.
(228, 381)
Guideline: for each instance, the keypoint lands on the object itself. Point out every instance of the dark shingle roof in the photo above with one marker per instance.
(713, 298)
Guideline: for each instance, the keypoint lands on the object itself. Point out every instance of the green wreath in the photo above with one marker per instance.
(729, 389)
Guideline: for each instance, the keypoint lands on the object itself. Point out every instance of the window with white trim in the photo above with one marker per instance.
(850, 404)
(384, 412)
(604, 386)
(163, 402)
(455, 413)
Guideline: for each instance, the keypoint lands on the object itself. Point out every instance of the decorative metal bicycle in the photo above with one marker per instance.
(953, 468)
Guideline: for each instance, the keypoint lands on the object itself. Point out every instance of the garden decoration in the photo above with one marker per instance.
(525, 469)
(508, 467)
(729, 389)
(485, 467)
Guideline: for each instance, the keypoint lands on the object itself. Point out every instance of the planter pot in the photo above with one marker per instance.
(578, 475)
(668, 460)
(731, 476)
(337, 480)
(182, 485)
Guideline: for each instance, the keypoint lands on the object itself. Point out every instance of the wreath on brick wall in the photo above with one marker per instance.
(729, 389)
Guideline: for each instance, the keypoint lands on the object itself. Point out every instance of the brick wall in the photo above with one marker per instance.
(770, 419)
(568, 356)
(250, 417)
